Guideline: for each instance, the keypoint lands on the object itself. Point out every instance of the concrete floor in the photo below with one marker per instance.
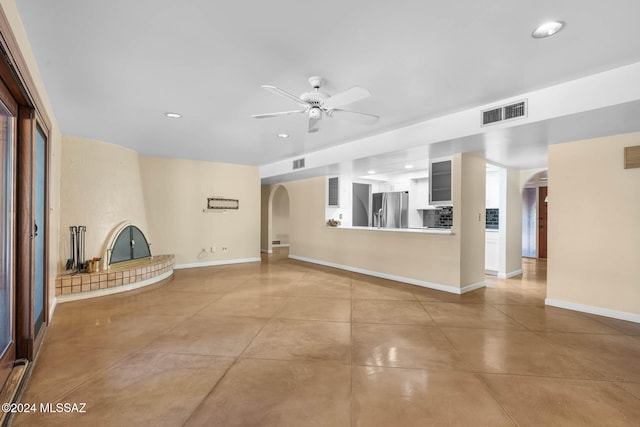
(288, 343)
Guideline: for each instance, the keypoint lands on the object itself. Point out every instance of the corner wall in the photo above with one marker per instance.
(265, 193)
(280, 219)
(176, 193)
(513, 224)
(594, 228)
(102, 188)
(471, 213)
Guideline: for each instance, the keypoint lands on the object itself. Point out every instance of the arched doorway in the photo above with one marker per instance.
(534, 215)
(278, 219)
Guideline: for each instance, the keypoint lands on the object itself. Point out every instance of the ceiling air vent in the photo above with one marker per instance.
(298, 163)
(491, 116)
(503, 113)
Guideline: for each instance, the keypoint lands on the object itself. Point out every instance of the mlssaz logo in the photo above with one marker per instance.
(65, 407)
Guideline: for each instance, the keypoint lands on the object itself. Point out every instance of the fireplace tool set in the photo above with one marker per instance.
(76, 248)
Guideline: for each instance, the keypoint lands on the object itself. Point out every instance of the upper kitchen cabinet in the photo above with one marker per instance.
(440, 183)
(419, 193)
(333, 192)
(493, 189)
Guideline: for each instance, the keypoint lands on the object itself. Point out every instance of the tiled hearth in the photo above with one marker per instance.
(126, 274)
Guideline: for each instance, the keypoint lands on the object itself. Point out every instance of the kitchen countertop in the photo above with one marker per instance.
(422, 230)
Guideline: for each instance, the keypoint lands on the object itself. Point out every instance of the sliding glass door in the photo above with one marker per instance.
(7, 241)
(39, 231)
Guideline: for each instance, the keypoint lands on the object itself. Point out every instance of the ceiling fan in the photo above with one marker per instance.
(316, 104)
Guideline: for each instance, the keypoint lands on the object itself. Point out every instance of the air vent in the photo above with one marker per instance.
(506, 112)
(298, 164)
(515, 110)
(491, 116)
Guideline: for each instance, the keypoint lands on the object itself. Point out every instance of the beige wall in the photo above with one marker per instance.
(428, 258)
(265, 193)
(54, 142)
(513, 226)
(280, 216)
(594, 225)
(101, 188)
(176, 193)
(469, 208)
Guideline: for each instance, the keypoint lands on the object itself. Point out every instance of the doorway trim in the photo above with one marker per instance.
(14, 71)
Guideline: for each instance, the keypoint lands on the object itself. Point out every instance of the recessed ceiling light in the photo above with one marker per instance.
(547, 29)
(173, 115)
(408, 166)
(283, 135)
(371, 172)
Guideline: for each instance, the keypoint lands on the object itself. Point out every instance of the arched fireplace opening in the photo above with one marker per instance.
(129, 245)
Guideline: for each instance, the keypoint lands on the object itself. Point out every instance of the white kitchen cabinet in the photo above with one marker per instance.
(420, 196)
(493, 190)
(492, 251)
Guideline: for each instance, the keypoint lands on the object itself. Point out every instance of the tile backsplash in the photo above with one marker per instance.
(438, 218)
(493, 219)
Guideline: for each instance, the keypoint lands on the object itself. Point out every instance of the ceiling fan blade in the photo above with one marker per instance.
(354, 94)
(284, 94)
(314, 124)
(281, 113)
(355, 116)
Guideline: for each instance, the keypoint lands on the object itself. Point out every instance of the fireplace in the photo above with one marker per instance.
(129, 244)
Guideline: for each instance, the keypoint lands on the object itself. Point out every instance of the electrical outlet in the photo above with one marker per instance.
(213, 249)
(225, 249)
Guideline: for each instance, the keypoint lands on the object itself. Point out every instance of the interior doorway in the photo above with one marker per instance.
(534, 216)
(278, 235)
(542, 222)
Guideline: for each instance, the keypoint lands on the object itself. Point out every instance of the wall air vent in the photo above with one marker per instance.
(503, 113)
(298, 163)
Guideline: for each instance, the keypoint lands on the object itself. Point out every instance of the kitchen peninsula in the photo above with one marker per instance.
(450, 260)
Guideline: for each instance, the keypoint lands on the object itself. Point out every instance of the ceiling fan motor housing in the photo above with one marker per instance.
(315, 113)
(314, 98)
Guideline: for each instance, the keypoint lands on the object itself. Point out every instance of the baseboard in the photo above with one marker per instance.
(615, 314)
(472, 287)
(265, 251)
(280, 245)
(116, 290)
(52, 308)
(214, 263)
(424, 284)
(510, 274)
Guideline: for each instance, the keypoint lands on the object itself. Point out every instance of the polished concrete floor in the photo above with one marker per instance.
(293, 344)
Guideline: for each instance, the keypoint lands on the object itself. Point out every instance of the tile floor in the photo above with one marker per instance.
(292, 344)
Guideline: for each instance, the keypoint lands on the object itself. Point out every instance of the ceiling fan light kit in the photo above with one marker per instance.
(316, 104)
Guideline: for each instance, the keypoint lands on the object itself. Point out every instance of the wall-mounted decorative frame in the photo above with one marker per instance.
(632, 157)
(219, 203)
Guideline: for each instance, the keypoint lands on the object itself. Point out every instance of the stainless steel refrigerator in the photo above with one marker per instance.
(390, 210)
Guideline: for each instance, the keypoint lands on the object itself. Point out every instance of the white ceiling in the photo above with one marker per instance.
(113, 68)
